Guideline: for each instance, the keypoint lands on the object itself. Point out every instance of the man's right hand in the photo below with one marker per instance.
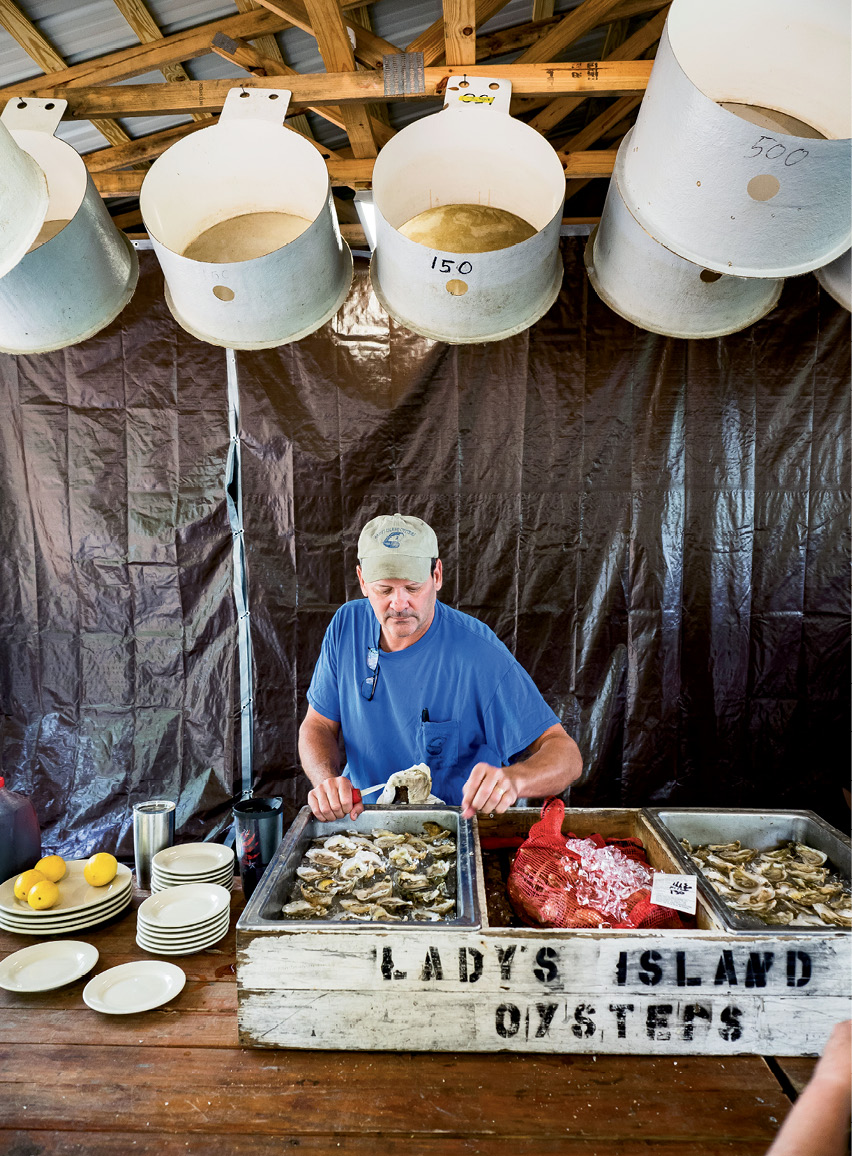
(332, 799)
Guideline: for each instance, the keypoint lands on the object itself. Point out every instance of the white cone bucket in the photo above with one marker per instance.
(836, 279)
(84, 270)
(23, 200)
(754, 194)
(470, 154)
(655, 289)
(242, 220)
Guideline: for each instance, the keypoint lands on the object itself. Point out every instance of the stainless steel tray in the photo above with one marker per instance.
(263, 911)
(760, 829)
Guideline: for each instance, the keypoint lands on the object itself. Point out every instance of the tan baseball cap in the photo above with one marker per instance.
(396, 546)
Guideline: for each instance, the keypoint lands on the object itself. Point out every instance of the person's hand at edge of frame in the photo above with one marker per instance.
(332, 799)
(489, 790)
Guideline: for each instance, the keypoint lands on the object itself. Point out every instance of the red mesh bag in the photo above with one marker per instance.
(540, 884)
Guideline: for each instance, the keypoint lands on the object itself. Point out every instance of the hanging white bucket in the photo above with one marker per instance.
(470, 170)
(242, 219)
(715, 173)
(655, 289)
(836, 279)
(23, 200)
(81, 270)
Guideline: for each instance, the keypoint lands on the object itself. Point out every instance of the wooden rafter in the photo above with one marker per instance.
(140, 58)
(337, 53)
(358, 174)
(460, 31)
(631, 49)
(241, 53)
(598, 127)
(607, 78)
(431, 41)
(42, 52)
(145, 27)
(579, 21)
(369, 48)
(513, 39)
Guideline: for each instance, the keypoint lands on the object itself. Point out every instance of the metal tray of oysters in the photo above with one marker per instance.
(410, 866)
(764, 871)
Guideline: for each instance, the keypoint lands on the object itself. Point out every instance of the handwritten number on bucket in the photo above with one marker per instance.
(771, 153)
(447, 266)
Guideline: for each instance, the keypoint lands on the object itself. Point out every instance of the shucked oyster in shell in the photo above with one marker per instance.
(790, 886)
(377, 877)
(412, 786)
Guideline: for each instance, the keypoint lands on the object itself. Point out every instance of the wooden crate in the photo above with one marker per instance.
(704, 991)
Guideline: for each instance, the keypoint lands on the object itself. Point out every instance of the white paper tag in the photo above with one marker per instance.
(677, 891)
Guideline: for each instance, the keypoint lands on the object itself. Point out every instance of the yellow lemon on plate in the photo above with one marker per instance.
(52, 867)
(27, 880)
(42, 895)
(100, 869)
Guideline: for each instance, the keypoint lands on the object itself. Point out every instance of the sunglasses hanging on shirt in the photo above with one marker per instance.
(368, 686)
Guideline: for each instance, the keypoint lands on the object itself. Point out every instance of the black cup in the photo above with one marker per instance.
(258, 824)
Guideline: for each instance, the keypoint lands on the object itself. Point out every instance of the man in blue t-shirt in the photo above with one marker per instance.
(409, 680)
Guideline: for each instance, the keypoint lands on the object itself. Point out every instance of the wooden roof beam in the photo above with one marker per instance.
(607, 78)
(460, 31)
(245, 56)
(598, 127)
(332, 38)
(136, 13)
(369, 48)
(358, 174)
(579, 21)
(139, 58)
(431, 41)
(42, 52)
(631, 49)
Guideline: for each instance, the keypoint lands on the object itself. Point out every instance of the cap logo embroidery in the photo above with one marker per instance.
(392, 539)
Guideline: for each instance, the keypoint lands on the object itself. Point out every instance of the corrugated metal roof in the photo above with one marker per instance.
(81, 32)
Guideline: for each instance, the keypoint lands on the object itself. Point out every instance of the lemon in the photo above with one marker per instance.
(100, 869)
(25, 881)
(43, 894)
(52, 867)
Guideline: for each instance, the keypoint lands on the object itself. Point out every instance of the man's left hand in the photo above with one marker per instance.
(487, 789)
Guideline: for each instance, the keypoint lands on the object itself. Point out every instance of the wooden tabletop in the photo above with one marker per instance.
(74, 1082)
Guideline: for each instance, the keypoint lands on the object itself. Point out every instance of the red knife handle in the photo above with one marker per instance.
(356, 796)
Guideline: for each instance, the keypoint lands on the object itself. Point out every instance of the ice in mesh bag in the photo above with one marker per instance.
(559, 880)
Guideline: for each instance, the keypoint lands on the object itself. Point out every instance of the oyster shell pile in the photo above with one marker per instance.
(788, 886)
(384, 876)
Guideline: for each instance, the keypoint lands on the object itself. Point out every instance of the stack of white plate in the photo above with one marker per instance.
(192, 863)
(79, 906)
(182, 920)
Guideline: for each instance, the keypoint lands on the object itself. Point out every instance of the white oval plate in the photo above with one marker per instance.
(179, 880)
(199, 877)
(45, 966)
(133, 987)
(46, 918)
(75, 894)
(184, 906)
(158, 885)
(186, 949)
(181, 934)
(193, 858)
(18, 927)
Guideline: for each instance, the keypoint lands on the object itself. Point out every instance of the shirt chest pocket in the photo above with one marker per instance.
(439, 745)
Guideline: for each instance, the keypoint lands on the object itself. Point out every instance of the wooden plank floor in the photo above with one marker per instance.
(175, 1080)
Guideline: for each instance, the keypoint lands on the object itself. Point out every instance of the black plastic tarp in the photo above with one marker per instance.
(659, 529)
